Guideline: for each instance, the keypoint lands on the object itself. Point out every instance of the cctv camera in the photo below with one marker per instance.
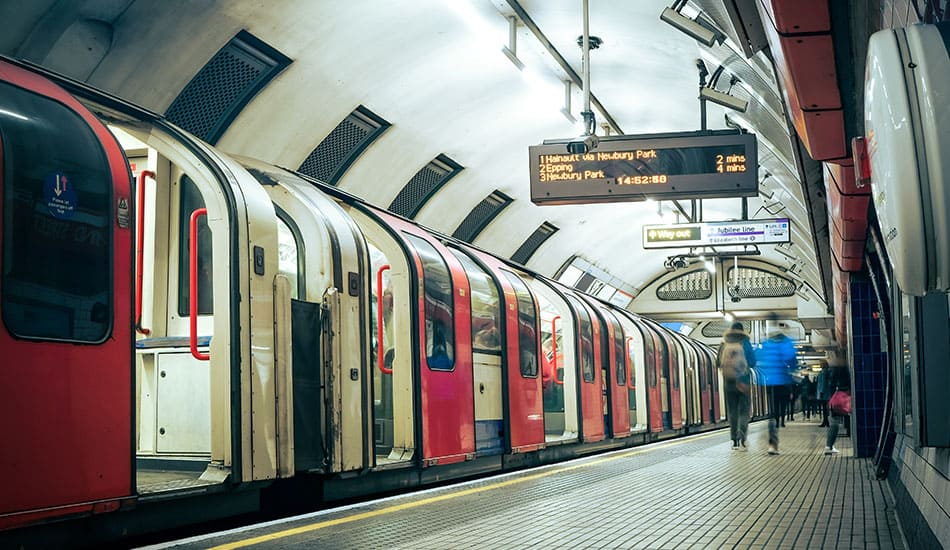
(724, 99)
(692, 28)
(583, 144)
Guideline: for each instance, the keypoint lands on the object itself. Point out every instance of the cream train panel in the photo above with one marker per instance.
(548, 298)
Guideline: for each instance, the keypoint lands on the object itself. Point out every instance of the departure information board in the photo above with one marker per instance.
(659, 166)
(717, 233)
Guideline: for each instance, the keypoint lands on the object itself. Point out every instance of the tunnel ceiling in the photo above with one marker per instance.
(421, 93)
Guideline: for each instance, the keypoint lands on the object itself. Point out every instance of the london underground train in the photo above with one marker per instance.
(188, 336)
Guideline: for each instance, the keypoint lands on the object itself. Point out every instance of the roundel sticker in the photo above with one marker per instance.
(60, 196)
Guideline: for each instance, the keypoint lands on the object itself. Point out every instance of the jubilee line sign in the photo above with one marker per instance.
(717, 233)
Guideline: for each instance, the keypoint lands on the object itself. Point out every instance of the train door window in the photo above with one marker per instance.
(439, 306)
(382, 307)
(650, 349)
(192, 200)
(619, 356)
(290, 260)
(551, 336)
(673, 356)
(586, 333)
(57, 222)
(486, 308)
(527, 326)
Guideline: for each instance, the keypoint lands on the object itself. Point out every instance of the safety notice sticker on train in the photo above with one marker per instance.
(60, 196)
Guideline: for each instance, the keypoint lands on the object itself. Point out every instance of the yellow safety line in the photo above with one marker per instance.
(430, 500)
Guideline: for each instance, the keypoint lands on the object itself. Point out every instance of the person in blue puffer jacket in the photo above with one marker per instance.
(774, 362)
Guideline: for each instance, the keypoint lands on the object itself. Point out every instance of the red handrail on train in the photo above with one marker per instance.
(626, 361)
(380, 349)
(193, 283)
(554, 350)
(139, 250)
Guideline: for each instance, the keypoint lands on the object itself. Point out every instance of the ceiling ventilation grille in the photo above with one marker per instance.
(215, 96)
(756, 283)
(695, 285)
(715, 329)
(481, 216)
(330, 160)
(423, 185)
(531, 244)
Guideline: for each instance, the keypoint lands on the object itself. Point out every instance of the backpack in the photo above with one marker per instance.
(734, 364)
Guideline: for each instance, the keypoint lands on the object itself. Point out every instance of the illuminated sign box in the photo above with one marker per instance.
(659, 166)
(717, 233)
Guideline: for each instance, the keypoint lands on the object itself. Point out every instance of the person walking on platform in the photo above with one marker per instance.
(839, 403)
(775, 360)
(808, 396)
(823, 394)
(790, 402)
(735, 358)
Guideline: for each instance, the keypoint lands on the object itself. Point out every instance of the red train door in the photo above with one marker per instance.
(617, 381)
(525, 406)
(705, 384)
(589, 375)
(445, 349)
(65, 288)
(672, 368)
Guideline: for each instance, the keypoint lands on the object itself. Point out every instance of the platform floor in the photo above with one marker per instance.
(687, 493)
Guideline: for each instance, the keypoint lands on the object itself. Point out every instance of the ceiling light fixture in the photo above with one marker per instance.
(726, 99)
(698, 29)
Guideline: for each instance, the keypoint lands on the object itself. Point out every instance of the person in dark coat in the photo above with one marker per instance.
(823, 393)
(735, 358)
(839, 379)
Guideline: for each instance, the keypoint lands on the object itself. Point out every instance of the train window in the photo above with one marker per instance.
(586, 334)
(650, 351)
(675, 359)
(439, 306)
(620, 363)
(289, 255)
(527, 326)
(380, 266)
(57, 222)
(192, 200)
(486, 308)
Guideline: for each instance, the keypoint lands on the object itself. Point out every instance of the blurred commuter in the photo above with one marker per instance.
(808, 396)
(839, 403)
(735, 358)
(790, 404)
(823, 391)
(775, 361)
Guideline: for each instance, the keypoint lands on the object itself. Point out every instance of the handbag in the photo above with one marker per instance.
(840, 403)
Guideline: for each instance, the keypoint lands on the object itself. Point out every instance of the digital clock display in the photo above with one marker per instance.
(624, 168)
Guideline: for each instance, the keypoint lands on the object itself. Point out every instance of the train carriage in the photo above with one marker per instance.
(199, 407)
(518, 346)
(324, 264)
(436, 343)
(250, 329)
